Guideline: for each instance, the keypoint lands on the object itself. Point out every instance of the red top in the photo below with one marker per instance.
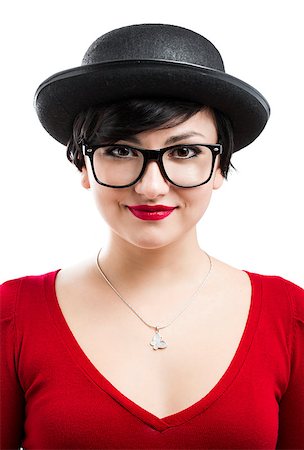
(54, 398)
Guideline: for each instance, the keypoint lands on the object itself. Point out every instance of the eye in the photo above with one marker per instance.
(121, 151)
(184, 152)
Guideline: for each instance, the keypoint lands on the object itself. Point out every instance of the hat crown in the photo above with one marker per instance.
(154, 42)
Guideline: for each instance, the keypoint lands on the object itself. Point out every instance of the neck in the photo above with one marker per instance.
(182, 258)
(155, 281)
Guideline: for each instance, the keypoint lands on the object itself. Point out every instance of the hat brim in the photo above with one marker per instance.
(61, 97)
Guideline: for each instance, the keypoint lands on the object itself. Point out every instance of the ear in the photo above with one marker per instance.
(218, 179)
(85, 178)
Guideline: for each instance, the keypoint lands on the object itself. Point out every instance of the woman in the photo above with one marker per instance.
(155, 344)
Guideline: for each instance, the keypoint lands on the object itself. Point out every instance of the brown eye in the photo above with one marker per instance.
(121, 152)
(184, 152)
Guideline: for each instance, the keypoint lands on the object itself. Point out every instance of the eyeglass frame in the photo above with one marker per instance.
(150, 155)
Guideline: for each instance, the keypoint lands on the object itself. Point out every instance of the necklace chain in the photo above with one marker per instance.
(156, 327)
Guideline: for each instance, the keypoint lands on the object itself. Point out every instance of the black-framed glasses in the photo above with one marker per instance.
(183, 165)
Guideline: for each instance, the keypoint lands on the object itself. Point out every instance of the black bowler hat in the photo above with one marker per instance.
(150, 61)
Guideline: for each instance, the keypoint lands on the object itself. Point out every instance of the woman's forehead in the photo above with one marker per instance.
(200, 127)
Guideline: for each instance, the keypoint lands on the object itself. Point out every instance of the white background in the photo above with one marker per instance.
(254, 222)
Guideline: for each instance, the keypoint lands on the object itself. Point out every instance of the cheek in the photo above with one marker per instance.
(106, 201)
(197, 201)
(104, 198)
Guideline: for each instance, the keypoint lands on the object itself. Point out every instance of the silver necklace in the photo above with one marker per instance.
(157, 341)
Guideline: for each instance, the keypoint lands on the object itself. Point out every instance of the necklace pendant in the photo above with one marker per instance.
(157, 341)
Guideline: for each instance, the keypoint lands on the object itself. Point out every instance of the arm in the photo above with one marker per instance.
(291, 413)
(11, 394)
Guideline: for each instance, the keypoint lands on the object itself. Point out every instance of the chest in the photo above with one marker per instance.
(201, 344)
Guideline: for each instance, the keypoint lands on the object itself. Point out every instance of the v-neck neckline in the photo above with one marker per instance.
(180, 417)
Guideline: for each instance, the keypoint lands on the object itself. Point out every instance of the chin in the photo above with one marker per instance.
(149, 242)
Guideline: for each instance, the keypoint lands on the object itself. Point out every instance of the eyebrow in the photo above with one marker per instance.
(170, 140)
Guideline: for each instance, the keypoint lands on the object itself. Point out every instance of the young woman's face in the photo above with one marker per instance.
(138, 227)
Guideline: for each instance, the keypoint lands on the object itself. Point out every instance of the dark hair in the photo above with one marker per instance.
(112, 122)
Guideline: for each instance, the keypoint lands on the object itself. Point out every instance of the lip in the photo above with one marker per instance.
(149, 212)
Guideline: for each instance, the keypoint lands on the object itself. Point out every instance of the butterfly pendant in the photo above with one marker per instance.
(157, 341)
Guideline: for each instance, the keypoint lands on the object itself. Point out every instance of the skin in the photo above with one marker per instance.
(168, 249)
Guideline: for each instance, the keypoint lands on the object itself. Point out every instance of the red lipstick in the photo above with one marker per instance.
(148, 212)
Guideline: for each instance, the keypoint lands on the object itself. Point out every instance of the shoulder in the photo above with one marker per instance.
(278, 285)
(23, 289)
(278, 294)
(282, 292)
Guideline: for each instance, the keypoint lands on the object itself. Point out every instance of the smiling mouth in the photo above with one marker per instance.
(148, 212)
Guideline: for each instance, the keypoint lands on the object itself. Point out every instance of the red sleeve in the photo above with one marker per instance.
(12, 399)
(291, 415)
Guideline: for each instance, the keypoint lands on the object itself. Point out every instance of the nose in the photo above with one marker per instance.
(152, 184)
